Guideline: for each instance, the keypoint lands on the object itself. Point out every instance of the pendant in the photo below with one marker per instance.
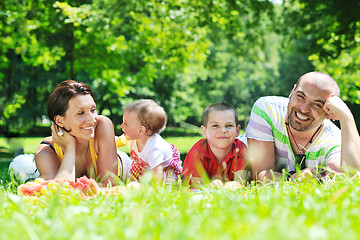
(300, 160)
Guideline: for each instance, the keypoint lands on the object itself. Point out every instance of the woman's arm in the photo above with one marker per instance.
(47, 161)
(106, 149)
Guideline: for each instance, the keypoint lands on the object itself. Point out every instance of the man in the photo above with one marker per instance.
(295, 133)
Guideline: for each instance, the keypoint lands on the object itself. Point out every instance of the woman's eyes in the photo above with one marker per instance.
(93, 110)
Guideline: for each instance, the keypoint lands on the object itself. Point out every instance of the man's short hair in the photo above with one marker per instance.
(320, 78)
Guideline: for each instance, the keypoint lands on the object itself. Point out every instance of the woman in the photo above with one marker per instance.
(82, 142)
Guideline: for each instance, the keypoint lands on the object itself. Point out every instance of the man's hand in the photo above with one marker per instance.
(336, 108)
(304, 174)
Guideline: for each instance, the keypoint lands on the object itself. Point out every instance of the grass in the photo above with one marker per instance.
(29, 145)
(283, 210)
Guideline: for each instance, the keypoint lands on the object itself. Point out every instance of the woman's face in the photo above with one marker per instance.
(81, 117)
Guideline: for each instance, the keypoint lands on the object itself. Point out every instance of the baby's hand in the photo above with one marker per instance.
(335, 107)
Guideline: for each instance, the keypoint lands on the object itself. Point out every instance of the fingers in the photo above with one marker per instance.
(56, 130)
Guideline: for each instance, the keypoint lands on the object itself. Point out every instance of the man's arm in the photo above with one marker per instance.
(350, 140)
(261, 156)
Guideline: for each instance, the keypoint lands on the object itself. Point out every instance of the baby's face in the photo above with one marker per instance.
(131, 125)
(221, 129)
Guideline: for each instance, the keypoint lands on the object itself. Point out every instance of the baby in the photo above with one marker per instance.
(143, 120)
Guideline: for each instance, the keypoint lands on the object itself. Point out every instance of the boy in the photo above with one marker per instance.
(220, 154)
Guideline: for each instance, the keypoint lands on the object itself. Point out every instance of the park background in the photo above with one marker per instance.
(183, 54)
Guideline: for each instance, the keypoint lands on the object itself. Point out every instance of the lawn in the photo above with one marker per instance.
(278, 210)
(307, 210)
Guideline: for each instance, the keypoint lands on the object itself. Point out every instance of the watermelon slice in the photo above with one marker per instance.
(86, 186)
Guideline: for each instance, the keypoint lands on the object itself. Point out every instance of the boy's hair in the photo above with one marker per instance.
(218, 107)
(150, 114)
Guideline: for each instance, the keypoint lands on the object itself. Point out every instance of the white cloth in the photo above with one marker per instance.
(156, 151)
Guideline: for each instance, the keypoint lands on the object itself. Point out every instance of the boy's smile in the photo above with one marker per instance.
(221, 130)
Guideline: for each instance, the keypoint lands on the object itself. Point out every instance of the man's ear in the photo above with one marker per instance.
(59, 120)
(292, 91)
(203, 131)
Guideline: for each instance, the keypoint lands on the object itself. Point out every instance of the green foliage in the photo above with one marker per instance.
(183, 54)
(330, 35)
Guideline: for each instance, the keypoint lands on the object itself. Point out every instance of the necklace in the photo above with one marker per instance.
(296, 144)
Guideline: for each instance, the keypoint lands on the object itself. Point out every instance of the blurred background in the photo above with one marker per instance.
(184, 54)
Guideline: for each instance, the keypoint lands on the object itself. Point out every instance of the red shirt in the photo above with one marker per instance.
(200, 155)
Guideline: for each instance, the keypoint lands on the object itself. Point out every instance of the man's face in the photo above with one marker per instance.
(305, 109)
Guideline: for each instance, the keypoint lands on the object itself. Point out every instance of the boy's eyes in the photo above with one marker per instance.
(227, 125)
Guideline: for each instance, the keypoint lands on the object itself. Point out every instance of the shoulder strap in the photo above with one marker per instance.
(94, 156)
(46, 143)
(59, 152)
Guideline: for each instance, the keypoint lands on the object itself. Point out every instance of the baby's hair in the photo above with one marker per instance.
(150, 114)
(218, 107)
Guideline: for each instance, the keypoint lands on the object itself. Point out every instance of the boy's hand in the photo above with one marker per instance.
(217, 184)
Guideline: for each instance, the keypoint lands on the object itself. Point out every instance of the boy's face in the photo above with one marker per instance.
(221, 130)
(131, 125)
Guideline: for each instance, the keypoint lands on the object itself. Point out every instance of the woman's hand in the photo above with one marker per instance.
(61, 137)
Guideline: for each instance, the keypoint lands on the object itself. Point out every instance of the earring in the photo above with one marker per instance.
(60, 133)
